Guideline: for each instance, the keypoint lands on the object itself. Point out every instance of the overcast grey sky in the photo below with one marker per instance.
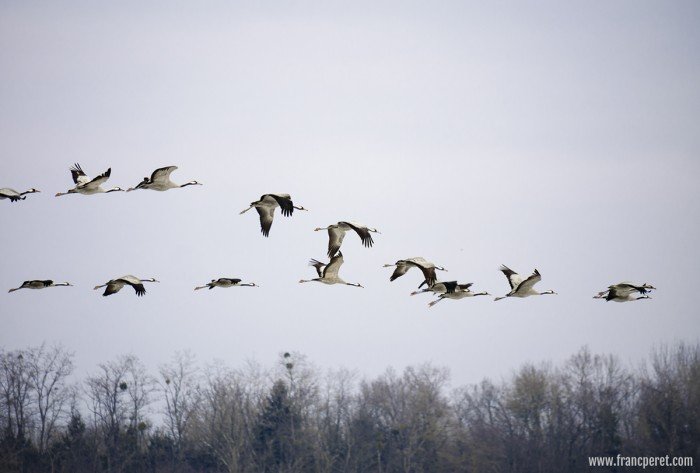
(562, 136)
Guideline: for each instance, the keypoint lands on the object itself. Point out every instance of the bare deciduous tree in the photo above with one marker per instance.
(49, 369)
(178, 385)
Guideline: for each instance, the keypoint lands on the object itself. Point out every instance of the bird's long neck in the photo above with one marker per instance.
(193, 183)
(62, 284)
(249, 284)
(30, 191)
(481, 294)
(115, 189)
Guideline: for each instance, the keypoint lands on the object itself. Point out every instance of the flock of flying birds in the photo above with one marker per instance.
(327, 272)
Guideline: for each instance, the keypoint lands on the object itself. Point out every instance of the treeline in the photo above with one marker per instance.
(293, 418)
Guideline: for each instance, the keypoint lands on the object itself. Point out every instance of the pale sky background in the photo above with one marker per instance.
(562, 136)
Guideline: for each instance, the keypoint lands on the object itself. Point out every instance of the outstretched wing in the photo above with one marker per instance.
(47, 282)
(134, 282)
(79, 177)
(429, 274)
(362, 232)
(97, 181)
(266, 216)
(465, 287)
(318, 265)
(401, 269)
(142, 183)
(450, 286)
(514, 279)
(285, 203)
(11, 194)
(420, 261)
(232, 281)
(162, 174)
(614, 293)
(629, 288)
(112, 288)
(332, 268)
(335, 239)
(140, 290)
(528, 284)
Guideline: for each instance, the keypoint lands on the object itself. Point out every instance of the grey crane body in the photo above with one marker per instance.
(336, 235)
(457, 295)
(115, 285)
(13, 195)
(39, 284)
(86, 186)
(266, 209)
(427, 268)
(160, 181)
(442, 287)
(328, 273)
(225, 282)
(625, 292)
(520, 287)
